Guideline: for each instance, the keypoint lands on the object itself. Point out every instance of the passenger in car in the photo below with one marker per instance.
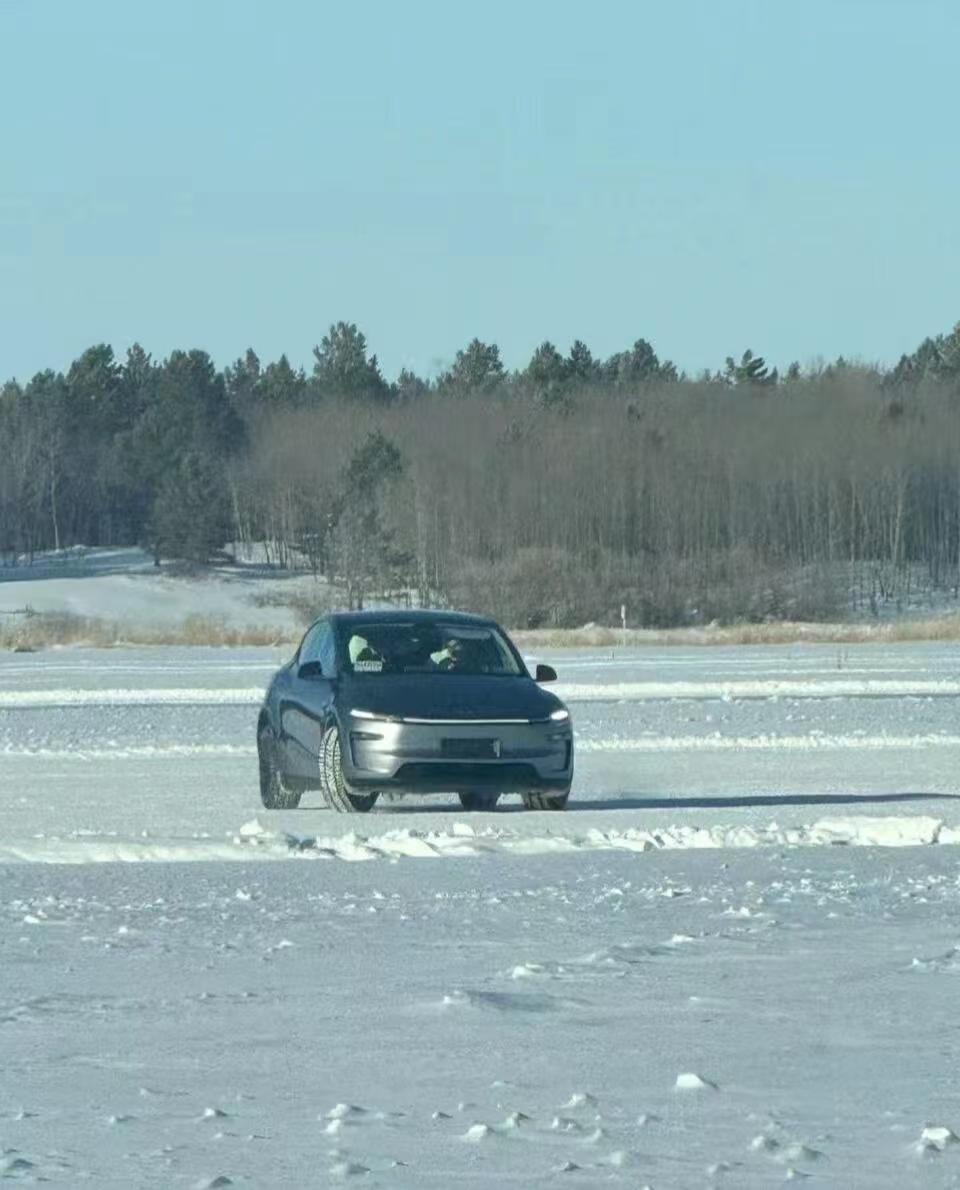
(361, 651)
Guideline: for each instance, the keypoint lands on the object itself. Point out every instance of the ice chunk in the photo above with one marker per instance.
(938, 1136)
(478, 1132)
(580, 1099)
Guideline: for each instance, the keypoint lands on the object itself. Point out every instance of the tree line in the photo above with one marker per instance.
(547, 495)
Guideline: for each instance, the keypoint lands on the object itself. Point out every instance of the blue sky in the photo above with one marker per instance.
(708, 174)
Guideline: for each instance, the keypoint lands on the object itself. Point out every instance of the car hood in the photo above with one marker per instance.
(447, 696)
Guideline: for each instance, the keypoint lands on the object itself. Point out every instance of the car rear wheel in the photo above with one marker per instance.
(332, 784)
(275, 791)
(472, 799)
(545, 801)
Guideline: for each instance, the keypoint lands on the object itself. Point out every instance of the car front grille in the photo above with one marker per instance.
(469, 748)
(465, 773)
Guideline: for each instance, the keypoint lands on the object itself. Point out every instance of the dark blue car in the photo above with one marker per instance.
(418, 702)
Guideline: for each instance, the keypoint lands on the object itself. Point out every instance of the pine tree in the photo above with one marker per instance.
(581, 366)
(364, 550)
(242, 380)
(282, 386)
(751, 370)
(477, 368)
(546, 375)
(343, 369)
(408, 386)
(638, 366)
(191, 516)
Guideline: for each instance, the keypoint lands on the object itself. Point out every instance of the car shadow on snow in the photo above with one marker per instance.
(663, 801)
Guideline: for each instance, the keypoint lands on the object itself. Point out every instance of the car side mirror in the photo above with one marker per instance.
(546, 673)
(310, 670)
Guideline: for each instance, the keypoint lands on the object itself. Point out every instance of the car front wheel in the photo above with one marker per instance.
(332, 783)
(275, 791)
(545, 801)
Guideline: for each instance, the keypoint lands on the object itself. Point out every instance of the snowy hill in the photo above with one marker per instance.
(124, 586)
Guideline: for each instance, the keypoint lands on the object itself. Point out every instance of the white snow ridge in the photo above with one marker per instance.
(254, 841)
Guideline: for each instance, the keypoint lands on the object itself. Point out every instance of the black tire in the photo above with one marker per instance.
(334, 788)
(276, 792)
(545, 801)
(472, 799)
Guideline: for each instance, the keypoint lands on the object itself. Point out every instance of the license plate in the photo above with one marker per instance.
(471, 749)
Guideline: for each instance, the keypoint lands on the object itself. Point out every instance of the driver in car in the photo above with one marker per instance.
(451, 656)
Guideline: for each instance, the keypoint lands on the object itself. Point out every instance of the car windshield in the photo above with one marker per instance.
(425, 647)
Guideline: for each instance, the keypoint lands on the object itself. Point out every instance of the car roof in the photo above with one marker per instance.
(406, 616)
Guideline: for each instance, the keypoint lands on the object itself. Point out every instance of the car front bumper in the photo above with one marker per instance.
(437, 756)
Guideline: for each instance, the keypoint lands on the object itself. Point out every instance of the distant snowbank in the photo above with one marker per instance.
(730, 691)
(815, 742)
(182, 695)
(254, 842)
(727, 691)
(129, 751)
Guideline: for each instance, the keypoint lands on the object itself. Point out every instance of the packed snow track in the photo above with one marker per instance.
(733, 961)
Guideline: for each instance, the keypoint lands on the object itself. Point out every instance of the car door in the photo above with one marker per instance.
(306, 701)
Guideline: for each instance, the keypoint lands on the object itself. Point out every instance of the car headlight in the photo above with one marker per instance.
(560, 715)
(359, 714)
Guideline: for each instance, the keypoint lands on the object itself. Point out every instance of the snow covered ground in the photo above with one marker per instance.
(124, 586)
(684, 981)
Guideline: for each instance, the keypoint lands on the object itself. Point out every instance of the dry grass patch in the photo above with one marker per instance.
(43, 631)
(940, 628)
(29, 634)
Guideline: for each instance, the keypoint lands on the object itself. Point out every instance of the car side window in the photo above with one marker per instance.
(318, 645)
(328, 651)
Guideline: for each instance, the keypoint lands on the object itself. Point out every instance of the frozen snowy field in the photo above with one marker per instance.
(531, 1007)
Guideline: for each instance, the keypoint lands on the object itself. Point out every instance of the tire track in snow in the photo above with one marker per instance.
(728, 691)
(644, 744)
